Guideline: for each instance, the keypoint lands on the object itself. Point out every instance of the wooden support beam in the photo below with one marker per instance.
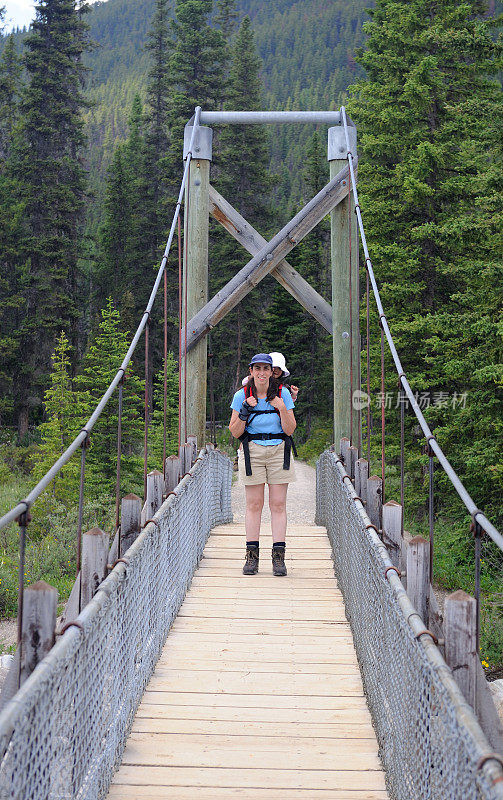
(284, 273)
(345, 296)
(418, 576)
(94, 563)
(267, 259)
(40, 603)
(195, 292)
(392, 531)
(460, 626)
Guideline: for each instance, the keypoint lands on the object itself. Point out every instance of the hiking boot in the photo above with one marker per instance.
(251, 563)
(278, 561)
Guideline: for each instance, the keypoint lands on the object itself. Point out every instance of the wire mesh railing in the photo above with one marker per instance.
(63, 733)
(430, 741)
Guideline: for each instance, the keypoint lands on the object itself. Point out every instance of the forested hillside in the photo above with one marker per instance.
(307, 50)
(93, 103)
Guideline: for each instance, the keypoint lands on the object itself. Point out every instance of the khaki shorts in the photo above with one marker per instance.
(267, 465)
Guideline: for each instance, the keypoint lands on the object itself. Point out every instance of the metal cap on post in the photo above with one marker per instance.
(337, 147)
(203, 141)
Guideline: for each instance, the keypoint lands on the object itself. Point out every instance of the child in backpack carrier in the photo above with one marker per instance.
(279, 371)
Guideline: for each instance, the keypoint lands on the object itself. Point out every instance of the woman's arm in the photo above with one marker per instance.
(288, 422)
(236, 425)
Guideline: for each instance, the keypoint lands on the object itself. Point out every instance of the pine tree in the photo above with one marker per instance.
(196, 67)
(156, 207)
(99, 367)
(426, 166)
(243, 179)
(13, 268)
(226, 17)
(51, 184)
(156, 433)
(64, 417)
(10, 75)
(112, 272)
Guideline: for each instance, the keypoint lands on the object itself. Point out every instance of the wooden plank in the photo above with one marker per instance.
(185, 750)
(284, 779)
(341, 714)
(273, 592)
(269, 666)
(264, 628)
(295, 730)
(239, 682)
(121, 792)
(261, 700)
(269, 613)
(262, 580)
(342, 654)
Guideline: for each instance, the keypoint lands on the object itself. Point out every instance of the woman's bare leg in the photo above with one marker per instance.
(253, 514)
(277, 504)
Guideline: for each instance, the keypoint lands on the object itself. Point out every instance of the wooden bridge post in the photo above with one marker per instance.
(130, 521)
(195, 280)
(418, 576)
(341, 219)
(40, 603)
(155, 486)
(361, 478)
(172, 472)
(392, 531)
(94, 563)
(460, 627)
(374, 500)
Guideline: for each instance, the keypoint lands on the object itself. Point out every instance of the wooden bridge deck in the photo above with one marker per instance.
(257, 693)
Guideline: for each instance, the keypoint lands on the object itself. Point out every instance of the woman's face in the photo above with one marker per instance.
(261, 374)
(277, 372)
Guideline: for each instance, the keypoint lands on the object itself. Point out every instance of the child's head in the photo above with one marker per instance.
(279, 366)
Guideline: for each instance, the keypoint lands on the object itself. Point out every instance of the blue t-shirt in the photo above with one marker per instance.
(264, 423)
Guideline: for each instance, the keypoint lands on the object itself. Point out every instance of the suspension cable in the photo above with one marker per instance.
(477, 515)
(24, 505)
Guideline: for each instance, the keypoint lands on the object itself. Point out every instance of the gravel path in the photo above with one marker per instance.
(300, 503)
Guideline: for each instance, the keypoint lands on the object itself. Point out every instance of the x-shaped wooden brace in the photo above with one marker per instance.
(268, 258)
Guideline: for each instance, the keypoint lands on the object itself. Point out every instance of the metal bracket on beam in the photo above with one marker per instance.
(202, 147)
(337, 147)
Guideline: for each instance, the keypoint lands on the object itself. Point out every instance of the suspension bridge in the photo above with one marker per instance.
(171, 674)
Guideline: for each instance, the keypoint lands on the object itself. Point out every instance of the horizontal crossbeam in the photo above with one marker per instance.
(269, 117)
(284, 273)
(267, 258)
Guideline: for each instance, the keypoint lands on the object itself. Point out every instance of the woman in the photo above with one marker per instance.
(264, 421)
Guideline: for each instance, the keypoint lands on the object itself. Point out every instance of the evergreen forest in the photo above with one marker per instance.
(93, 104)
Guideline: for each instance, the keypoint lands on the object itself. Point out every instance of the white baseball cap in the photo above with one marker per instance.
(278, 360)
